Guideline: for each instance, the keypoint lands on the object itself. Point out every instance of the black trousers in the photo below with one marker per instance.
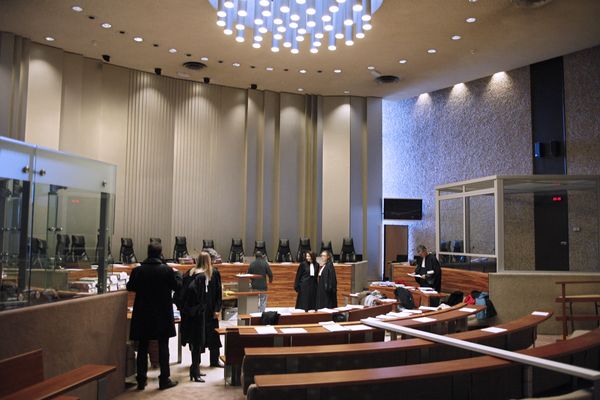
(163, 360)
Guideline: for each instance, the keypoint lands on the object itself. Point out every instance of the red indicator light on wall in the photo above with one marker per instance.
(75, 201)
(557, 198)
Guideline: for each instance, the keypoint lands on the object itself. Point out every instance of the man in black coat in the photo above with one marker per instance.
(429, 269)
(260, 267)
(152, 319)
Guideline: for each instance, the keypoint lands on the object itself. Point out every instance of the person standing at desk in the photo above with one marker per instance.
(327, 284)
(260, 267)
(152, 319)
(192, 303)
(306, 282)
(429, 269)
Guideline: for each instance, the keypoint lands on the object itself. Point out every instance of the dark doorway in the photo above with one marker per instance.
(551, 219)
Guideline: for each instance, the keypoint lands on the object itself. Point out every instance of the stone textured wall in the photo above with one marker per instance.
(582, 109)
(483, 128)
(471, 130)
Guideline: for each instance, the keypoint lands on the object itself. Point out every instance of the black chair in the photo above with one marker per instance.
(284, 253)
(208, 244)
(261, 245)
(62, 249)
(303, 248)
(458, 248)
(78, 248)
(236, 252)
(444, 246)
(126, 254)
(348, 253)
(39, 253)
(180, 250)
(109, 258)
(327, 247)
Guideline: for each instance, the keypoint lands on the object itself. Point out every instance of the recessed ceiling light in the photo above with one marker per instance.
(77, 8)
(456, 37)
(269, 68)
(203, 58)
(138, 39)
(337, 71)
(106, 25)
(370, 68)
(302, 71)
(172, 50)
(472, 1)
(470, 20)
(236, 64)
(49, 39)
(403, 61)
(432, 51)
(300, 90)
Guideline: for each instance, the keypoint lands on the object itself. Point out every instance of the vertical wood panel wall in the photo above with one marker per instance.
(212, 162)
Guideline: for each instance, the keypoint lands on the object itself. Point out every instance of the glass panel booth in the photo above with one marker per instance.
(56, 220)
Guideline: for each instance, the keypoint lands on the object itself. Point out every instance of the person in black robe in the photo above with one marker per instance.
(192, 303)
(306, 282)
(213, 312)
(152, 318)
(429, 269)
(327, 284)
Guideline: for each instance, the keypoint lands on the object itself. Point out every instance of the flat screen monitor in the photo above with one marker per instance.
(403, 209)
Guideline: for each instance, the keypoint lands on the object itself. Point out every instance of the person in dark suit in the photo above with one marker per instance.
(429, 268)
(327, 283)
(152, 319)
(306, 282)
(192, 303)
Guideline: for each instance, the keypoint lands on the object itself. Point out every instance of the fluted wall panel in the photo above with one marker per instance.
(149, 168)
(14, 68)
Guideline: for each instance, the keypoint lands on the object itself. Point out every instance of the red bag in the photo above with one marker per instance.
(469, 300)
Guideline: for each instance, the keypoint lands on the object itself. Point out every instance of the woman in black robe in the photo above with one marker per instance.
(213, 311)
(192, 303)
(306, 282)
(327, 286)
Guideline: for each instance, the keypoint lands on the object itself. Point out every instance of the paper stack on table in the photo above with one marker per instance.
(265, 330)
(335, 327)
(359, 327)
(293, 330)
(424, 319)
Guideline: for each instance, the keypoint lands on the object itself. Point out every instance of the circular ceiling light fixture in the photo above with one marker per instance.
(345, 20)
(471, 20)
(49, 39)
(106, 25)
(456, 37)
(138, 39)
(77, 8)
(403, 61)
(432, 51)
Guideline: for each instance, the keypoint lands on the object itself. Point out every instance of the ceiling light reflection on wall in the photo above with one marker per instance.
(343, 20)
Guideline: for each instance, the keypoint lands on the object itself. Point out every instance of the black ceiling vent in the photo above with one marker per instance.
(530, 3)
(194, 65)
(384, 79)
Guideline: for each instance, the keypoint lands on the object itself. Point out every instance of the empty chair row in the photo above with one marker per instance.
(236, 252)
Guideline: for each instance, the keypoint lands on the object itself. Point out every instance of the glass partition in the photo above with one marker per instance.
(56, 214)
(520, 223)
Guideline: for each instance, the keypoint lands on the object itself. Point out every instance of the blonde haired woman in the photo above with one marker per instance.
(213, 308)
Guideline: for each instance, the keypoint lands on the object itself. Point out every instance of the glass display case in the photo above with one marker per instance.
(56, 220)
(520, 223)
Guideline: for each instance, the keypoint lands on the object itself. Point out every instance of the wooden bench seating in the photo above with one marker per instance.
(316, 317)
(519, 334)
(482, 377)
(22, 377)
(242, 337)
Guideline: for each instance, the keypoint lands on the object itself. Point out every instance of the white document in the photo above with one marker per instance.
(359, 327)
(399, 314)
(428, 308)
(265, 330)
(406, 310)
(293, 330)
(256, 314)
(387, 300)
(327, 310)
(297, 311)
(540, 313)
(424, 319)
(493, 329)
(467, 309)
(427, 290)
(384, 317)
(335, 327)
(344, 308)
(326, 322)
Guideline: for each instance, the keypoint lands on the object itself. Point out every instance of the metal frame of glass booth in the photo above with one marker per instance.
(495, 190)
(48, 199)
